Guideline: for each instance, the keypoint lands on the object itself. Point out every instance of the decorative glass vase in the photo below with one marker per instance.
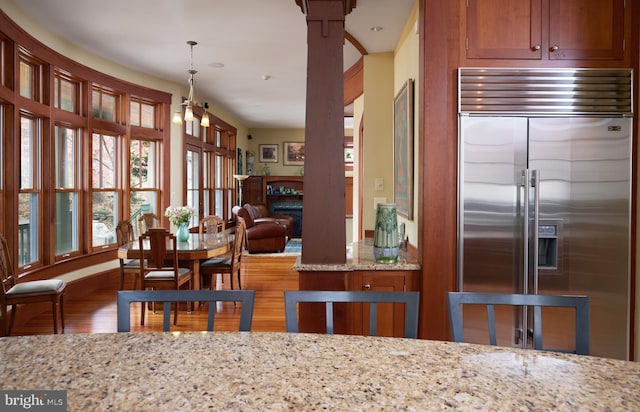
(385, 238)
(183, 232)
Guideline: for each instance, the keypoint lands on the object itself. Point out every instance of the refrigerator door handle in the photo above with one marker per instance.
(525, 247)
(535, 184)
(524, 322)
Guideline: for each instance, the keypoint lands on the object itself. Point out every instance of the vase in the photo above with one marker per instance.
(385, 238)
(183, 232)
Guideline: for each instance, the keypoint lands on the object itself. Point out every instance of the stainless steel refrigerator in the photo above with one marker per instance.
(545, 199)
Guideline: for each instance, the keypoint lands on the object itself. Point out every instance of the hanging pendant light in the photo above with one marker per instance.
(190, 102)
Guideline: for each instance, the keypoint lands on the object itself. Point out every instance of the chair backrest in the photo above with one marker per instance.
(410, 299)
(158, 251)
(238, 245)
(147, 221)
(211, 224)
(126, 297)
(124, 232)
(455, 301)
(6, 268)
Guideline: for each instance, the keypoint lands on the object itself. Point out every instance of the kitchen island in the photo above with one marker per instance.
(281, 371)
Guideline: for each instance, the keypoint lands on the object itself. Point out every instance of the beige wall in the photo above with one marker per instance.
(405, 66)
(377, 145)
(277, 137)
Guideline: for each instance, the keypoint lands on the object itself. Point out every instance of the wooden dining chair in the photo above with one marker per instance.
(124, 235)
(125, 298)
(34, 291)
(159, 268)
(456, 300)
(409, 299)
(211, 224)
(230, 263)
(147, 221)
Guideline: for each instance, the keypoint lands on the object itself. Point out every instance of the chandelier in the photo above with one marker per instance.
(190, 102)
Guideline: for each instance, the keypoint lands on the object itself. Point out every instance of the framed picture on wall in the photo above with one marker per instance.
(403, 150)
(269, 153)
(293, 154)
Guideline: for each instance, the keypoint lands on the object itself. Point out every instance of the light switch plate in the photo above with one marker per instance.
(379, 184)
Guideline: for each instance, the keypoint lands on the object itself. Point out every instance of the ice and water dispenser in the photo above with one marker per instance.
(548, 246)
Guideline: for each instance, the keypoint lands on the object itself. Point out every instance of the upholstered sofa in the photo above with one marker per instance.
(260, 213)
(264, 236)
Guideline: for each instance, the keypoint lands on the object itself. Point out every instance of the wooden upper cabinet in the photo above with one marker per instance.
(545, 29)
(504, 29)
(586, 29)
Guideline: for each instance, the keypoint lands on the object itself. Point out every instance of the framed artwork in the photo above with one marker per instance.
(293, 154)
(403, 150)
(269, 153)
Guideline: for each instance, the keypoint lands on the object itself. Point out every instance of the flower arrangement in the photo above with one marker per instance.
(178, 214)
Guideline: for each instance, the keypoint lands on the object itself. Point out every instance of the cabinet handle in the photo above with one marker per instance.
(367, 287)
(535, 47)
(554, 48)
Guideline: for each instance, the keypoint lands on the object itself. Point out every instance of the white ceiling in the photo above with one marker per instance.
(251, 38)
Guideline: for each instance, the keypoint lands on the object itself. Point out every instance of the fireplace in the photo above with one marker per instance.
(290, 208)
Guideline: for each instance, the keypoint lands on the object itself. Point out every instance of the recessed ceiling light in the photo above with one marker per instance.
(376, 28)
(266, 77)
(216, 65)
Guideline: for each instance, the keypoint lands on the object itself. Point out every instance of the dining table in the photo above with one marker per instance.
(247, 371)
(192, 251)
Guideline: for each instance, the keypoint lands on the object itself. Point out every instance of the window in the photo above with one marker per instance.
(105, 104)
(29, 196)
(142, 114)
(66, 93)
(144, 179)
(210, 164)
(72, 164)
(193, 128)
(27, 80)
(104, 185)
(193, 184)
(32, 80)
(67, 191)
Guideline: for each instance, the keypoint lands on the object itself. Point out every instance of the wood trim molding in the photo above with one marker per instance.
(347, 36)
(353, 82)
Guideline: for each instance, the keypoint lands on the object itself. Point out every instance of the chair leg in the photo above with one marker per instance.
(142, 308)
(54, 310)
(62, 312)
(239, 285)
(121, 279)
(14, 309)
(175, 312)
(3, 321)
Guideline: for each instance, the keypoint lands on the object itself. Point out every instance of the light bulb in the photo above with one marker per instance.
(188, 114)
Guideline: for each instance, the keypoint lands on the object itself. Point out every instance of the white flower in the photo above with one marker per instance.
(178, 214)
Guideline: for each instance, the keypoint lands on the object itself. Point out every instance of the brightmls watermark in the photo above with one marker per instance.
(49, 401)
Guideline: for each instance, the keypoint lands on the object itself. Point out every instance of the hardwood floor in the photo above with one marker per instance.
(96, 313)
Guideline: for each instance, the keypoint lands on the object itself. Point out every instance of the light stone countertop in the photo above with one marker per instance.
(360, 257)
(252, 371)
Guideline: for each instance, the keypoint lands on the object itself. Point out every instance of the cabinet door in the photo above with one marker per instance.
(390, 317)
(252, 190)
(504, 29)
(586, 29)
